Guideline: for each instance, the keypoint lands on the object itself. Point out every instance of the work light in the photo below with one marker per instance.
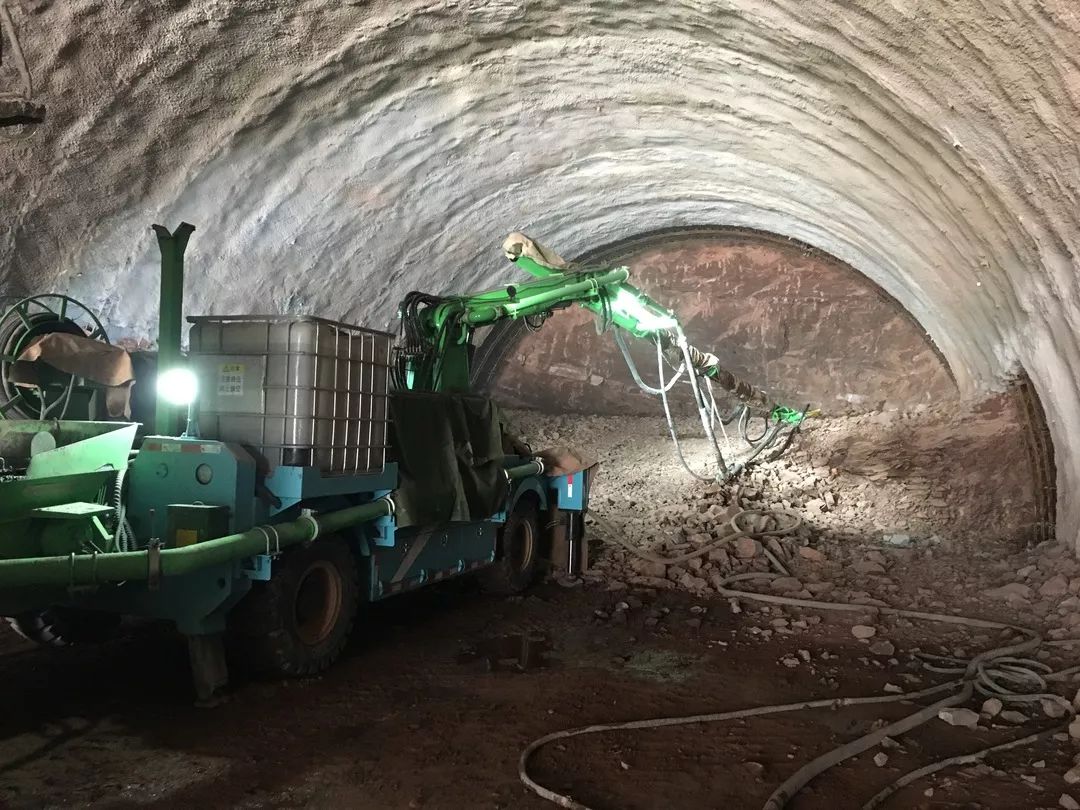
(178, 386)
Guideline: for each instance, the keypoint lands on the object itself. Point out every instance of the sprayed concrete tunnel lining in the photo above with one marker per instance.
(931, 148)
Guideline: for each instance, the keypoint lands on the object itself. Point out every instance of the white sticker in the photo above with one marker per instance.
(230, 380)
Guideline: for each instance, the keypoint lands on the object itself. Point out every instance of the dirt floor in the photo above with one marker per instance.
(409, 719)
(423, 712)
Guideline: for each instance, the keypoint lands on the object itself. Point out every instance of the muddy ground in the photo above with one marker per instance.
(416, 716)
(408, 719)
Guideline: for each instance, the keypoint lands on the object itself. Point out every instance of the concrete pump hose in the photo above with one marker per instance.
(963, 759)
(1002, 672)
(802, 777)
(667, 722)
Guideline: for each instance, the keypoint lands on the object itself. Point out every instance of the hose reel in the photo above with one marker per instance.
(22, 324)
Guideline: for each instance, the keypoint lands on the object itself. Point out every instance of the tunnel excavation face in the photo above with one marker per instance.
(896, 458)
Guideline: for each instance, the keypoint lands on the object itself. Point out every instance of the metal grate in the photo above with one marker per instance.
(299, 391)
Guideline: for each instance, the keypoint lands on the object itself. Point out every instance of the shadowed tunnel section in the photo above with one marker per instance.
(336, 155)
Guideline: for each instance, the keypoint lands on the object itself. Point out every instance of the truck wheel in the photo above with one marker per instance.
(298, 622)
(518, 552)
(63, 626)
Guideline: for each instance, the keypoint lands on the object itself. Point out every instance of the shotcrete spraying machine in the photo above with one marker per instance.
(294, 468)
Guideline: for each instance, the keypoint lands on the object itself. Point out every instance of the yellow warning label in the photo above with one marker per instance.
(231, 380)
(186, 537)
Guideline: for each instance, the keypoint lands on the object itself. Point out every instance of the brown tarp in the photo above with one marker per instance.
(518, 244)
(564, 461)
(103, 363)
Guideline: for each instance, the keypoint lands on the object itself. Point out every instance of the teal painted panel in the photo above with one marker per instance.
(422, 556)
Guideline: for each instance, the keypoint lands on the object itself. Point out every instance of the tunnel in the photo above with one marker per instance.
(866, 210)
(804, 325)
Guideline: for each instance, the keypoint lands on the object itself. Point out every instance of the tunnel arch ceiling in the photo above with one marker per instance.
(335, 155)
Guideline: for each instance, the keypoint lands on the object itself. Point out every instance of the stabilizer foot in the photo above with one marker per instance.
(209, 671)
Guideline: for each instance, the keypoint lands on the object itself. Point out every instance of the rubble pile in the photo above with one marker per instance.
(919, 511)
(889, 508)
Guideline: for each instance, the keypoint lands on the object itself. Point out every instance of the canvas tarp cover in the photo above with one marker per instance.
(84, 357)
(450, 458)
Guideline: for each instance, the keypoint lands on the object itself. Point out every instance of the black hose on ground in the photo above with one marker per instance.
(1001, 672)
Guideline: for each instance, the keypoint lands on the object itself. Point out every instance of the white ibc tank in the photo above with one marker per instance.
(299, 391)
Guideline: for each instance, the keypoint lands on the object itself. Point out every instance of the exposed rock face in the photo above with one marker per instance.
(795, 322)
(336, 155)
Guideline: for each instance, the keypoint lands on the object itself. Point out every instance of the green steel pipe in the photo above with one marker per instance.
(560, 293)
(89, 569)
(620, 320)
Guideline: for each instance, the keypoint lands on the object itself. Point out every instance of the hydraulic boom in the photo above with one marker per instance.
(436, 337)
(638, 314)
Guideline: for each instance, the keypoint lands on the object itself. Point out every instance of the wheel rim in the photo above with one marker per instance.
(318, 602)
(521, 546)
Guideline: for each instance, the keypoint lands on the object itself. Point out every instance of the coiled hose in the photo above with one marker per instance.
(1006, 672)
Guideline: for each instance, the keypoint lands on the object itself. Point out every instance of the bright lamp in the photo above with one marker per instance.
(178, 386)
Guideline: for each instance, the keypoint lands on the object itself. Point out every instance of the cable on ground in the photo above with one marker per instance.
(1003, 672)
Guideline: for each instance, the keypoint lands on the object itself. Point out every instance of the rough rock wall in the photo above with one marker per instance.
(796, 322)
(336, 154)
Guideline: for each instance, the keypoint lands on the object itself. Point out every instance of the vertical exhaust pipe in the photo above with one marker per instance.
(170, 314)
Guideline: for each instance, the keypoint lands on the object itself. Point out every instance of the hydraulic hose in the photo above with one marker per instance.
(767, 441)
(620, 341)
(699, 401)
(122, 535)
(706, 364)
(671, 423)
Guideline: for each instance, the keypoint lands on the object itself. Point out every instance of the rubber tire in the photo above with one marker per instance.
(264, 634)
(513, 570)
(61, 626)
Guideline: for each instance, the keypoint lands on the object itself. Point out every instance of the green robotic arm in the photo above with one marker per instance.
(436, 335)
(635, 312)
(437, 330)
(433, 354)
